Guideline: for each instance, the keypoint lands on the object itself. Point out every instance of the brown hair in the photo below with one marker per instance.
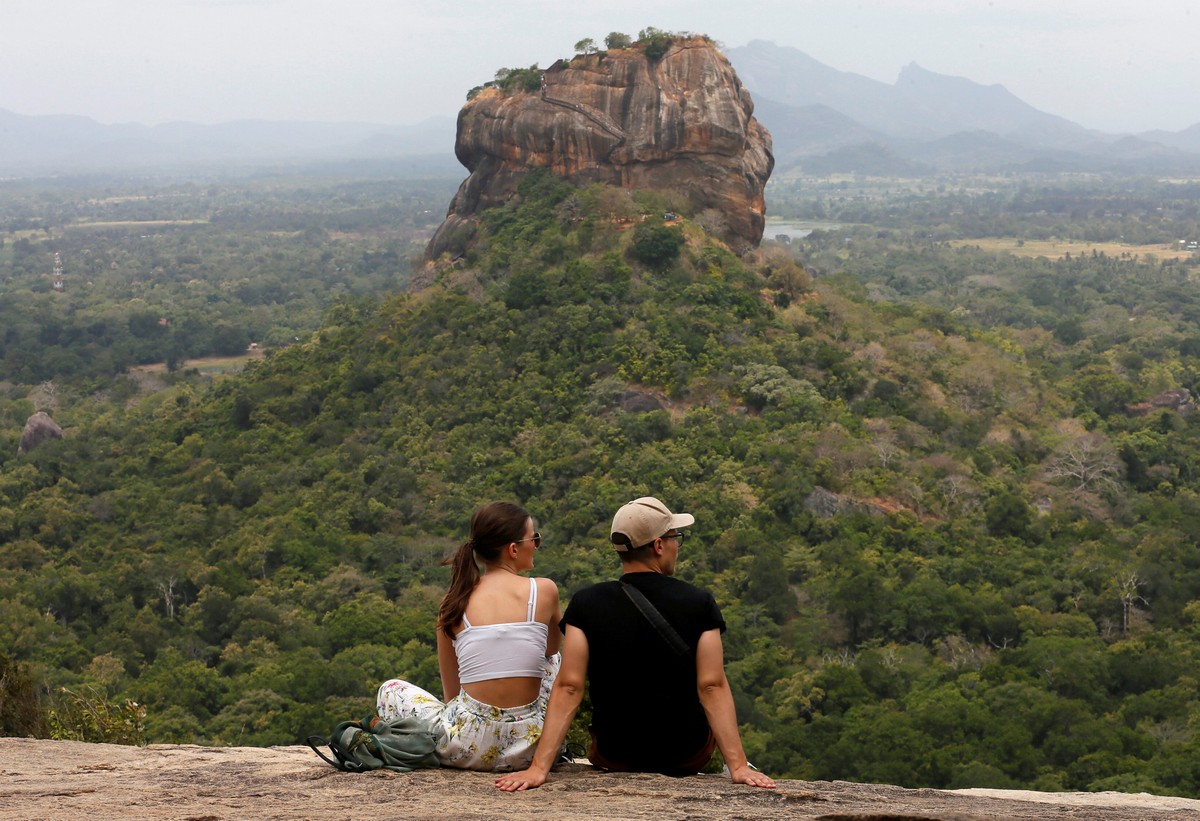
(493, 526)
(636, 554)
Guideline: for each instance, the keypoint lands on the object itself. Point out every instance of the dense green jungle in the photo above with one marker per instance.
(949, 515)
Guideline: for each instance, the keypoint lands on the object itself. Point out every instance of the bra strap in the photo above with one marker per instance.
(532, 598)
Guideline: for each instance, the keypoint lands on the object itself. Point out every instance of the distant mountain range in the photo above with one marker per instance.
(822, 120)
(66, 145)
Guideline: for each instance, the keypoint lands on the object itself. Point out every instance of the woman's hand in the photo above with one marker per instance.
(524, 780)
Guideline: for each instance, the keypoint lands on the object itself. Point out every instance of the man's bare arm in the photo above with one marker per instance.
(717, 700)
(564, 702)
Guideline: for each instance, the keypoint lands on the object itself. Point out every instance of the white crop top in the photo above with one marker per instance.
(508, 650)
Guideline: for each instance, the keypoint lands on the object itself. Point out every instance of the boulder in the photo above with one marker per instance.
(682, 122)
(638, 402)
(39, 428)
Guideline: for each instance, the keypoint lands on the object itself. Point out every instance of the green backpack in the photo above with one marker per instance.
(403, 745)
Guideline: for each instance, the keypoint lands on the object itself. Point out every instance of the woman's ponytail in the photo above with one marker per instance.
(464, 575)
(492, 526)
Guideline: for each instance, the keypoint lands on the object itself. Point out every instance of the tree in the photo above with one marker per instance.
(1007, 514)
(783, 271)
(172, 680)
(20, 702)
(656, 246)
(617, 40)
(229, 339)
(1088, 462)
(879, 744)
(585, 46)
(713, 221)
(655, 41)
(1104, 392)
(1128, 585)
(761, 385)
(1070, 330)
(767, 584)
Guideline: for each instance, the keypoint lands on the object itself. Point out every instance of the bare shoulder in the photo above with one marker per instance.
(549, 603)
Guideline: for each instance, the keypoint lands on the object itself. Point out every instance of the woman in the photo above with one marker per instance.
(498, 641)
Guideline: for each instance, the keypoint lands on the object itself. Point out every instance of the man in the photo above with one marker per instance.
(653, 709)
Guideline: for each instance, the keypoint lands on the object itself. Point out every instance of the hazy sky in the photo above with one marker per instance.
(1115, 65)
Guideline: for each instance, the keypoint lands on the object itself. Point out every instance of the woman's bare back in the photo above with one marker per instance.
(501, 597)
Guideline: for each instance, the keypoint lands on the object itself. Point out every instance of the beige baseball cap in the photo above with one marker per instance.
(643, 520)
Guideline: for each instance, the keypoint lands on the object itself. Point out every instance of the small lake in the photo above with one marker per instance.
(796, 229)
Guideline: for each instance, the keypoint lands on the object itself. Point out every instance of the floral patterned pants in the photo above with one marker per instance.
(473, 735)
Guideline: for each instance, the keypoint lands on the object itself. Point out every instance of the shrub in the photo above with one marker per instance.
(91, 716)
(20, 706)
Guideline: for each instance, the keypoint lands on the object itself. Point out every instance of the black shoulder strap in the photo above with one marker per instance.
(678, 645)
(340, 763)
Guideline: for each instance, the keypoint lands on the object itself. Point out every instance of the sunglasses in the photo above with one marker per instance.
(536, 538)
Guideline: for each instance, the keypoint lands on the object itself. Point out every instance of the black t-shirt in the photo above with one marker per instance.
(645, 708)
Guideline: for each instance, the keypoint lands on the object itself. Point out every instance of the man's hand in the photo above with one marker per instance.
(564, 701)
(747, 775)
(525, 780)
(717, 701)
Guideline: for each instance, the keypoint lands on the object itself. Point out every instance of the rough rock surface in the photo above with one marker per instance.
(826, 504)
(638, 402)
(68, 780)
(681, 122)
(1179, 400)
(39, 428)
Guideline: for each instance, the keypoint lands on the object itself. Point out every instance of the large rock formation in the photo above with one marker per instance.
(682, 122)
(39, 428)
(67, 780)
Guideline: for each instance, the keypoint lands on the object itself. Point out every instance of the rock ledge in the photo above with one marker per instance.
(68, 780)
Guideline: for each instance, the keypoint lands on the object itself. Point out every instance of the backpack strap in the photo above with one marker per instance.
(345, 760)
(668, 633)
(339, 764)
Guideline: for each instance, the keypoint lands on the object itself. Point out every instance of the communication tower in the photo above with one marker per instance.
(58, 274)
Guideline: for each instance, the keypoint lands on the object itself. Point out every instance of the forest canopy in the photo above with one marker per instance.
(951, 532)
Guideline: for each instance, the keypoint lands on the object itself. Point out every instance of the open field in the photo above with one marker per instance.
(134, 223)
(206, 365)
(1058, 248)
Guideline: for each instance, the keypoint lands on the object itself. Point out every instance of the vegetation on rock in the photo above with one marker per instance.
(682, 123)
(654, 42)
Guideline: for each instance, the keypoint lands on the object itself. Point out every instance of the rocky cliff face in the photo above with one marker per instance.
(681, 122)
